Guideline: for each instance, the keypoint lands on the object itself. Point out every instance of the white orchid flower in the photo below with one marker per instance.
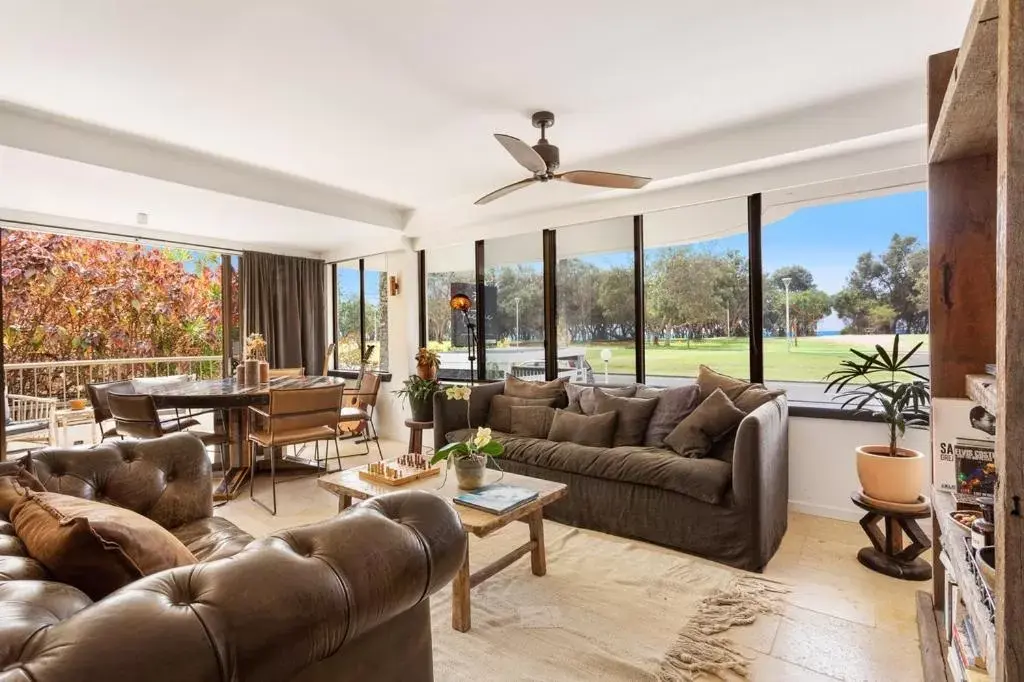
(458, 392)
(482, 437)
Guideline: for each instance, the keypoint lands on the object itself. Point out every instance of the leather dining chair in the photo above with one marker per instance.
(98, 393)
(358, 410)
(294, 417)
(135, 416)
(287, 372)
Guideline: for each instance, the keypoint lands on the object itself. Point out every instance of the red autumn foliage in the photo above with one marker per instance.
(70, 298)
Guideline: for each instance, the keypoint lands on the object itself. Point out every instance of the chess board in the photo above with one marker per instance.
(400, 470)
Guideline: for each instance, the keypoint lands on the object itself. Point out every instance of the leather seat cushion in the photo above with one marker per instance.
(351, 414)
(293, 436)
(173, 425)
(212, 538)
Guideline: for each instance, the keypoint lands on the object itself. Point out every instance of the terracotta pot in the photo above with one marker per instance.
(890, 479)
(78, 403)
(427, 372)
(470, 472)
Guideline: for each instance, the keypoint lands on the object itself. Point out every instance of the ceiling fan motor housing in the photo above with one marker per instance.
(549, 153)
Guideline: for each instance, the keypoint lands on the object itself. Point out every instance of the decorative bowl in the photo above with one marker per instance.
(78, 403)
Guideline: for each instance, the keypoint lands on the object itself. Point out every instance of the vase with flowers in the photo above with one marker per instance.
(469, 456)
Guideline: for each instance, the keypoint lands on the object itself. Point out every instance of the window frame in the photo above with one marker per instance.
(353, 373)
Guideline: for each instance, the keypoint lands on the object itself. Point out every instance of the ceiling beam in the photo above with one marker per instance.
(46, 133)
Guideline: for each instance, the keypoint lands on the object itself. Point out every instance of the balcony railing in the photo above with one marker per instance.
(66, 379)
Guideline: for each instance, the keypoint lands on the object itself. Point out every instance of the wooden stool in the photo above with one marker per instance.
(887, 555)
(416, 434)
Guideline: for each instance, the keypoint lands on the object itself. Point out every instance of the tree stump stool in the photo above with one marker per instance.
(416, 434)
(887, 555)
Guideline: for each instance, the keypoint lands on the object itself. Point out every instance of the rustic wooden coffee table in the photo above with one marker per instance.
(348, 486)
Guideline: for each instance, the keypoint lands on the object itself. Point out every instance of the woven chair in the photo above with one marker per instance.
(294, 417)
(359, 404)
(33, 423)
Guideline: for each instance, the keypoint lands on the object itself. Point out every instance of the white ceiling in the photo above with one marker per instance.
(397, 100)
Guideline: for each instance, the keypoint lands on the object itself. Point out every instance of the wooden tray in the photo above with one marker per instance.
(399, 471)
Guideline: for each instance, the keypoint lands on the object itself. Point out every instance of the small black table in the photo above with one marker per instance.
(887, 555)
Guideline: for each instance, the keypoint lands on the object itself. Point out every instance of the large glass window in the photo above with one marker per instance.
(348, 352)
(514, 307)
(375, 312)
(696, 282)
(450, 271)
(846, 273)
(596, 302)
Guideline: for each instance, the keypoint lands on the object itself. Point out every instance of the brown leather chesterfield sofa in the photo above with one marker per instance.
(343, 599)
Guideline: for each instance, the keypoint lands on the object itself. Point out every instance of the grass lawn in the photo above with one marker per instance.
(809, 360)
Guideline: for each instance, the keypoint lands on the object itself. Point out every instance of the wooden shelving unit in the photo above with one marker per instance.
(976, 247)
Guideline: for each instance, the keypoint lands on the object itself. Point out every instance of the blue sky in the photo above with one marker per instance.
(349, 281)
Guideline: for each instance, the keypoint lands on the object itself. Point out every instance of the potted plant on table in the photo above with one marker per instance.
(887, 385)
(420, 393)
(427, 363)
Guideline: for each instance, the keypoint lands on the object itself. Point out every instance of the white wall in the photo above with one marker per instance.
(823, 468)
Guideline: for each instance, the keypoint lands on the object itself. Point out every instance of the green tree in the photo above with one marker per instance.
(806, 308)
(897, 280)
(800, 277)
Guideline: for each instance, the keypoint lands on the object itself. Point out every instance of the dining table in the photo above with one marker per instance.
(234, 398)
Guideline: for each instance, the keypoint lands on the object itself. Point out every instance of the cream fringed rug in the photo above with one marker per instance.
(608, 609)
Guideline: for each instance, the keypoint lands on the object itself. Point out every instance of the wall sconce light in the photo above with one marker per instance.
(393, 285)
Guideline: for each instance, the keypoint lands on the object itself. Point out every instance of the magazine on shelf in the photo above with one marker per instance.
(496, 498)
(960, 438)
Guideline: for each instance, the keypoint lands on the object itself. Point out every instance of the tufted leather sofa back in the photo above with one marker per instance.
(167, 480)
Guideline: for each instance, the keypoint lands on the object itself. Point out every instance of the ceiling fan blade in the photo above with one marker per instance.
(602, 179)
(523, 153)
(507, 189)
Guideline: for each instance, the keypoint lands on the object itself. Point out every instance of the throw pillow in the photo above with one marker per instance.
(518, 388)
(95, 547)
(708, 380)
(710, 422)
(673, 406)
(15, 483)
(584, 397)
(754, 397)
(499, 417)
(531, 421)
(634, 416)
(594, 430)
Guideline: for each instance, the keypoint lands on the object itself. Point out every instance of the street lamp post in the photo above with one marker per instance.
(786, 281)
(517, 322)
(606, 355)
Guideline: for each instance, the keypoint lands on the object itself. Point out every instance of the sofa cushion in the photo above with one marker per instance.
(586, 399)
(754, 397)
(212, 538)
(480, 401)
(673, 406)
(499, 417)
(533, 421)
(634, 416)
(518, 388)
(16, 480)
(597, 430)
(713, 420)
(707, 480)
(708, 380)
(95, 547)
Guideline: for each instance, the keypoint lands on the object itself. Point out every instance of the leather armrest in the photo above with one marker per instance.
(266, 613)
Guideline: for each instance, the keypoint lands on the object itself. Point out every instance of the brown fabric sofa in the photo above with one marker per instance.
(730, 507)
(304, 604)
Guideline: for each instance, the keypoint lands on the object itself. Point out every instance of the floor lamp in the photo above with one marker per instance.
(462, 303)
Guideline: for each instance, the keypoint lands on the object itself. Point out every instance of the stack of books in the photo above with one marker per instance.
(966, 660)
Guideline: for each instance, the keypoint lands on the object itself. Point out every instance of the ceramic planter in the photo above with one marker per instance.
(422, 411)
(428, 372)
(890, 479)
(469, 471)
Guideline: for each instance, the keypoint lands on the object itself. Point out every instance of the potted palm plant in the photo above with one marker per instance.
(420, 393)
(887, 384)
(427, 363)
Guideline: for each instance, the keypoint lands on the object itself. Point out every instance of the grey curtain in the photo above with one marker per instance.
(283, 299)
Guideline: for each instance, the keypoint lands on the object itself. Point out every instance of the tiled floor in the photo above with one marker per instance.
(841, 621)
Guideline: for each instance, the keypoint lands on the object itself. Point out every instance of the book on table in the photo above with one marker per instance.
(496, 498)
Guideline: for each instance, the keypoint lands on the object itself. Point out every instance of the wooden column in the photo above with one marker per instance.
(1010, 342)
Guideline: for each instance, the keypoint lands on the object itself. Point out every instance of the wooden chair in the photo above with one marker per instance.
(33, 422)
(359, 404)
(287, 372)
(294, 417)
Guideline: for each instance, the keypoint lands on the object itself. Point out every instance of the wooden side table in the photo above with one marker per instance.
(416, 434)
(887, 555)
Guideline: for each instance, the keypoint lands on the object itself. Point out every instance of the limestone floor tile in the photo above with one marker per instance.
(770, 669)
(845, 650)
(759, 636)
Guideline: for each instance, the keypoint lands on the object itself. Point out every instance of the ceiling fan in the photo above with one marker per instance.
(542, 160)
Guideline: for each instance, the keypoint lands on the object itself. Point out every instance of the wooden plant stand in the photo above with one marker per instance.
(887, 555)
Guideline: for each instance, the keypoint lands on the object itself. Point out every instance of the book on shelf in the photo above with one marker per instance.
(496, 498)
(970, 655)
(990, 369)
